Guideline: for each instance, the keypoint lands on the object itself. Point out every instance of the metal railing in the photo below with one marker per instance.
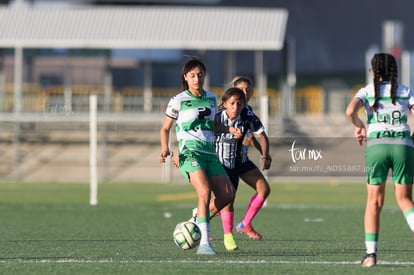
(48, 139)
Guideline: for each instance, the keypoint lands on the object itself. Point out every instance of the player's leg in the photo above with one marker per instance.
(227, 215)
(374, 204)
(223, 192)
(227, 221)
(255, 179)
(223, 199)
(377, 163)
(403, 195)
(220, 184)
(201, 184)
(403, 159)
(192, 166)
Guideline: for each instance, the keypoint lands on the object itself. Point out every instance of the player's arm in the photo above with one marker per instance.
(256, 144)
(412, 112)
(266, 160)
(352, 113)
(164, 138)
(255, 125)
(220, 128)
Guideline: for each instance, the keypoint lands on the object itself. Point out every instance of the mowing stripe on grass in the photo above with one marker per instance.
(83, 261)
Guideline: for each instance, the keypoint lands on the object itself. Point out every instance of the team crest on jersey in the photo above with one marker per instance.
(194, 163)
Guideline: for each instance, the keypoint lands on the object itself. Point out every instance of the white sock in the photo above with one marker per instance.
(410, 220)
(371, 247)
(205, 232)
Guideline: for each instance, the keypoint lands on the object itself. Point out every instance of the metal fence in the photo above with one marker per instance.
(48, 139)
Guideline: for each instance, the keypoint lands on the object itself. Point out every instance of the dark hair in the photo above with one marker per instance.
(384, 67)
(232, 92)
(194, 62)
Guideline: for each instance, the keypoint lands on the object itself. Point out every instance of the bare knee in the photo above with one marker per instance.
(263, 188)
(375, 204)
(267, 191)
(404, 202)
(403, 196)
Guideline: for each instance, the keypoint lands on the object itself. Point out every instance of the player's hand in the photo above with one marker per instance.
(176, 161)
(165, 154)
(360, 135)
(236, 132)
(266, 162)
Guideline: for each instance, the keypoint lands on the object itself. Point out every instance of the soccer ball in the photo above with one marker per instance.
(186, 235)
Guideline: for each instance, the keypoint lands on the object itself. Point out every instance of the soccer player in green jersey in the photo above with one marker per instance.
(389, 145)
(193, 111)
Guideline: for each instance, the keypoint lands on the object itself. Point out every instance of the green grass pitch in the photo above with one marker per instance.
(308, 228)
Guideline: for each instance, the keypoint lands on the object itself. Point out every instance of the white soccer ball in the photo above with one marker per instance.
(186, 235)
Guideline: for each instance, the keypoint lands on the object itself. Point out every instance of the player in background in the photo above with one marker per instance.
(388, 145)
(254, 178)
(246, 85)
(233, 124)
(193, 110)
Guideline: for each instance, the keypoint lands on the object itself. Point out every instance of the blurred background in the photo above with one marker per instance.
(306, 57)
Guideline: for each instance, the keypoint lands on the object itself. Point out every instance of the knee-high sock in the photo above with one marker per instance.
(227, 219)
(255, 205)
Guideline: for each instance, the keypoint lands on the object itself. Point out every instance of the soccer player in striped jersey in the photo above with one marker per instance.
(193, 111)
(388, 145)
(233, 124)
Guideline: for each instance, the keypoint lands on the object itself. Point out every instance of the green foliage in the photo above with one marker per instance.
(308, 228)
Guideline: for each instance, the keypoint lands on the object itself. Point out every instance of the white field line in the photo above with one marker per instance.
(215, 262)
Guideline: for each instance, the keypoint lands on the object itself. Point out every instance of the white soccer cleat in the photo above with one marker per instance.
(194, 216)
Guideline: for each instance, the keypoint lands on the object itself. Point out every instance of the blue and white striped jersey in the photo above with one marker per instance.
(231, 151)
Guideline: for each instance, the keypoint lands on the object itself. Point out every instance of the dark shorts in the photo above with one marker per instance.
(234, 174)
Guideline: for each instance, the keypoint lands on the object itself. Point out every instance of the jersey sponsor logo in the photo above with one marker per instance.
(203, 112)
(391, 134)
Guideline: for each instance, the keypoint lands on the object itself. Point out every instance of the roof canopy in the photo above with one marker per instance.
(202, 28)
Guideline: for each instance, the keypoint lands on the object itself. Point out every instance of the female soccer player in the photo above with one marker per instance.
(246, 85)
(194, 110)
(389, 145)
(233, 124)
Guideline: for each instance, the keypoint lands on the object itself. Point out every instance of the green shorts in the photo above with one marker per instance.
(190, 161)
(380, 158)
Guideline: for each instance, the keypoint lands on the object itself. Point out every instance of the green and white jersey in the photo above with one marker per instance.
(388, 125)
(194, 120)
